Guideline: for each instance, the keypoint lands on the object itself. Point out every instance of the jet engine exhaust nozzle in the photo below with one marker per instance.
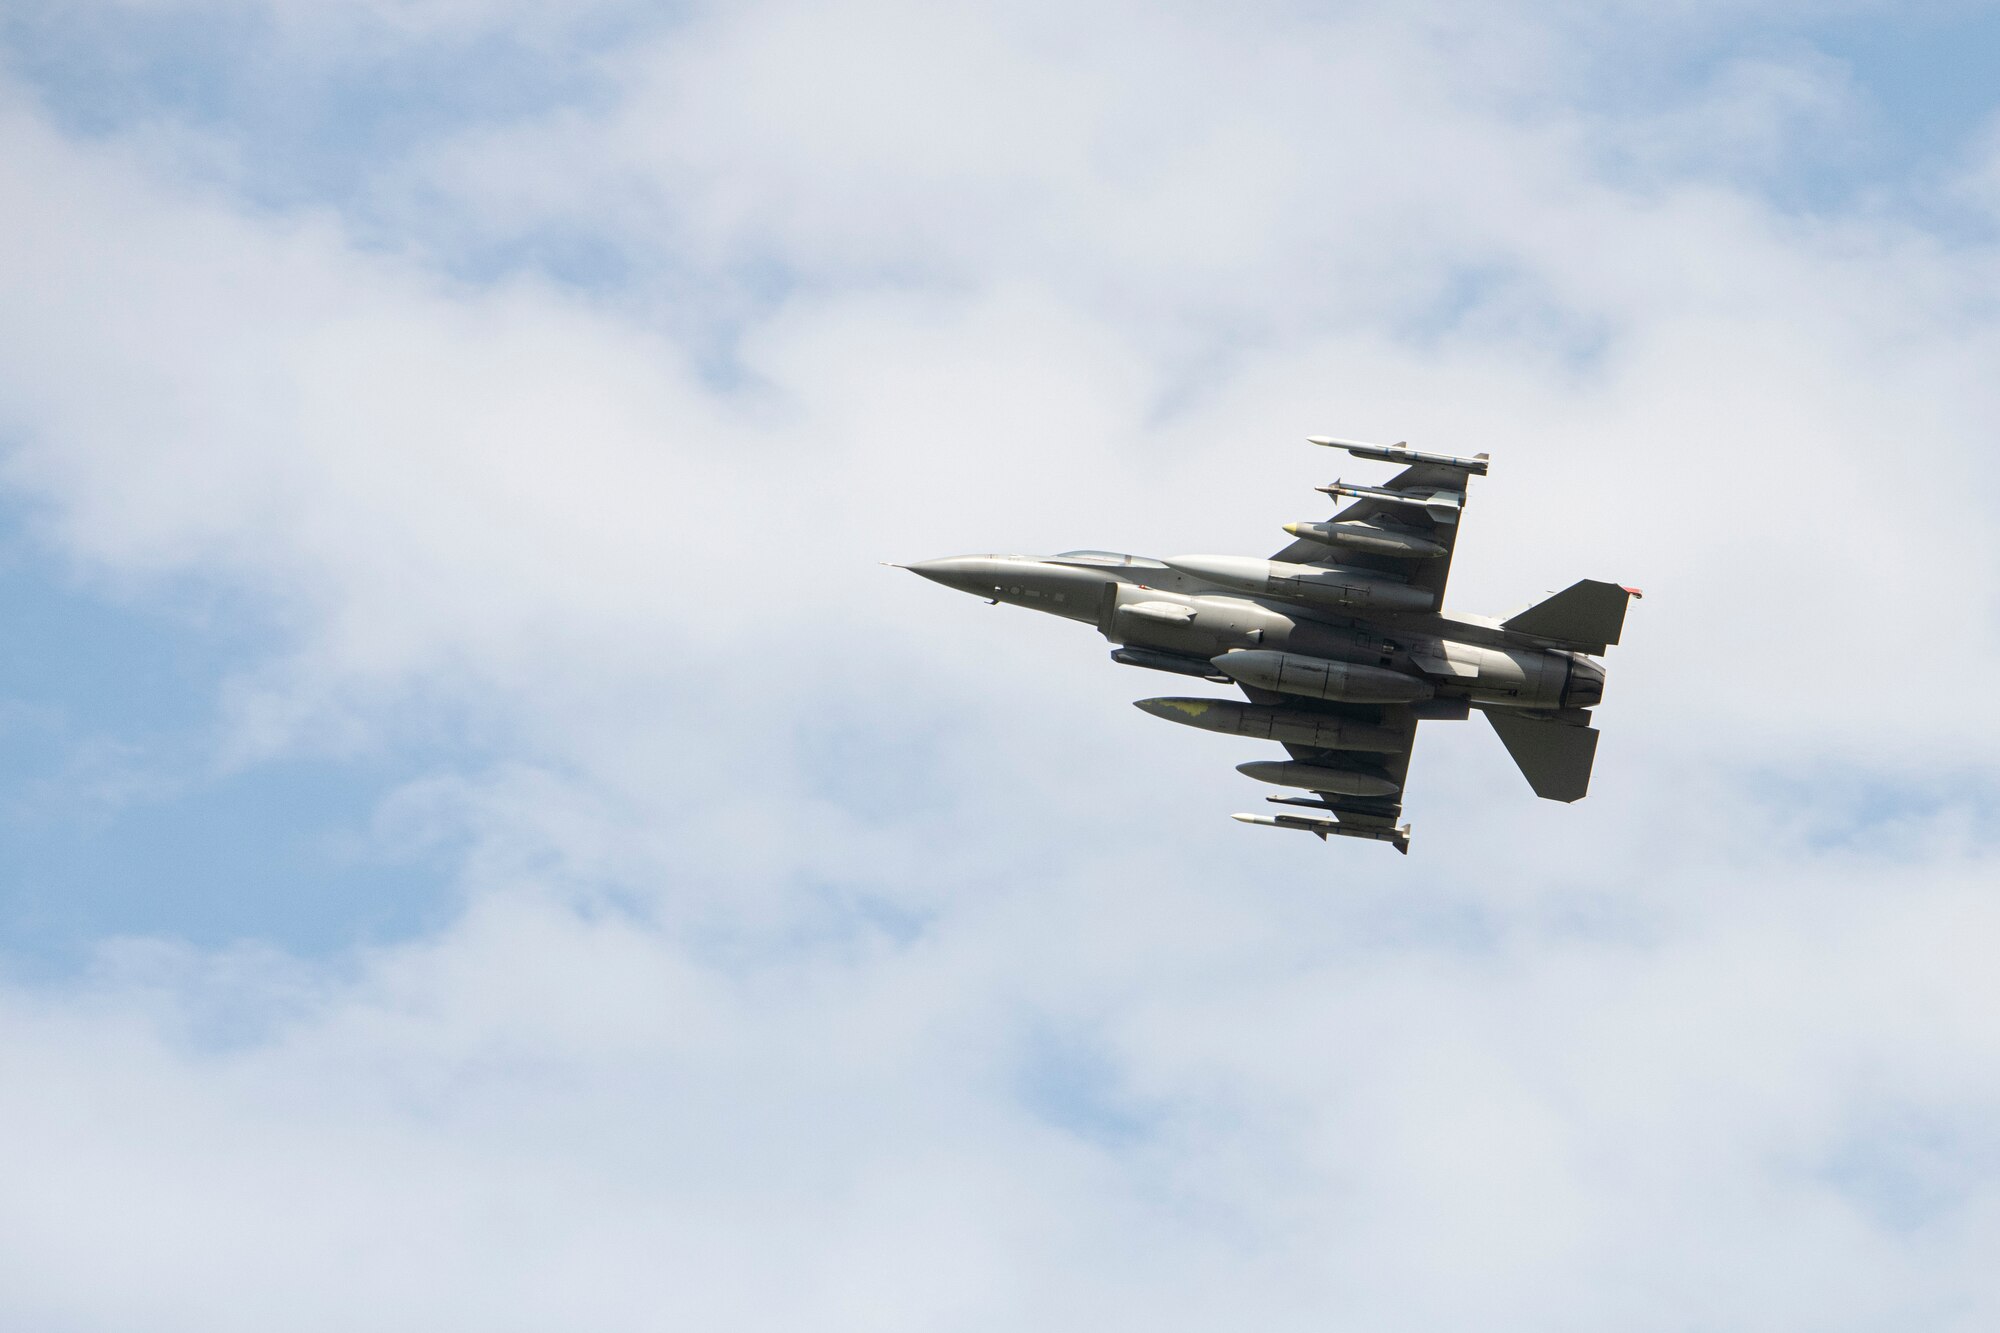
(1586, 685)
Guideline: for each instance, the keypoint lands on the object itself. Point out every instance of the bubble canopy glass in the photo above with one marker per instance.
(1106, 558)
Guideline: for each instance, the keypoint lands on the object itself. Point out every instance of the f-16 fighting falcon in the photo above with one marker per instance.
(1341, 644)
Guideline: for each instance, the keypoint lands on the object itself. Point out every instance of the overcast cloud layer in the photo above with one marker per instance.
(530, 398)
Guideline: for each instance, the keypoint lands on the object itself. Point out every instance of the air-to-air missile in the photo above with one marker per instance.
(1327, 826)
(1441, 506)
(1403, 455)
(1341, 644)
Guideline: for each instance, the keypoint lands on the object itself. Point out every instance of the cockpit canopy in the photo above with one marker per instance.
(1113, 558)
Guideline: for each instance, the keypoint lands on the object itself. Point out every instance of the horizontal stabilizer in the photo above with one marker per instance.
(1554, 757)
(1588, 615)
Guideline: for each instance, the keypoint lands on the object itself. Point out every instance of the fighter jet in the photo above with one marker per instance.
(1341, 645)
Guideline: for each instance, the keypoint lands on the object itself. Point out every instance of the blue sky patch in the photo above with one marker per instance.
(312, 124)
(1071, 1083)
(116, 818)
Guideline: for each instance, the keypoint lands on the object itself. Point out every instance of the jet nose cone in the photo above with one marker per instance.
(966, 573)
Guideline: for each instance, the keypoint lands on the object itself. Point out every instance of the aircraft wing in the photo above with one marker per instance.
(1436, 523)
(1367, 817)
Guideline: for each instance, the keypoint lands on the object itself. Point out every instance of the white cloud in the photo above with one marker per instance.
(791, 865)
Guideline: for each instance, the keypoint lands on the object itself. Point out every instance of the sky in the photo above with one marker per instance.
(484, 844)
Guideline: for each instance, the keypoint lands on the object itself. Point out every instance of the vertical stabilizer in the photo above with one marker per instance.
(1588, 615)
(1554, 757)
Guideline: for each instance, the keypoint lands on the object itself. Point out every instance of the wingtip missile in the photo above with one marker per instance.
(1324, 827)
(1401, 452)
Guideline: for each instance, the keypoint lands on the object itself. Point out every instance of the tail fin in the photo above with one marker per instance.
(1554, 757)
(1588, 616)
